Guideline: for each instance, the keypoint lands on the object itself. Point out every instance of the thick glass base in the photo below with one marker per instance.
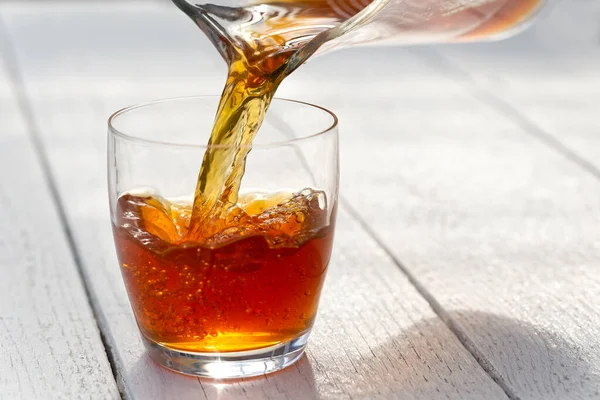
(241, 364)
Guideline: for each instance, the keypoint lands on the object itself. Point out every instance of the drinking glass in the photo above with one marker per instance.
(243, 301)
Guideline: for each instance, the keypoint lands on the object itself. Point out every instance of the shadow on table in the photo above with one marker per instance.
(529, 361)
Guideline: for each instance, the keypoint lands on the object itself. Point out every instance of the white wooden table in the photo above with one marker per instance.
(467, 261)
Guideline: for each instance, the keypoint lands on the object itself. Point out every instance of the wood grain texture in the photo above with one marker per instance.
(376, 337)
(50, 345)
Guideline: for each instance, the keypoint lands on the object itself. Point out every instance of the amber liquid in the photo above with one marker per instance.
(253, 285)
(228, 272)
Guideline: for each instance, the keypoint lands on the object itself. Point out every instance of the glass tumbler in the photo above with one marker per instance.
(241, 300)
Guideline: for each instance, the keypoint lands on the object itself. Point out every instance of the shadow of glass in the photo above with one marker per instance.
(425, 361)
(522, 361)
(529, 361)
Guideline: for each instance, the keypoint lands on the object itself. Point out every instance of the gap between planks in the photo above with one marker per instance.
(435, 305)
(33, 132)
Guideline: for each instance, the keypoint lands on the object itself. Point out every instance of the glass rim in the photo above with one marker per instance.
(136, 139)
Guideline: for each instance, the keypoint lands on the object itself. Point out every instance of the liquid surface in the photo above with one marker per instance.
(254, 284)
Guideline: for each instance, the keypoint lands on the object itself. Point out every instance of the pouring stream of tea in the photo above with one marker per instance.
(264, 43)
(261, 46)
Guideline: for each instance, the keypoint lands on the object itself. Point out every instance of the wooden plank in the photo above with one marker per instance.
(546, 82)
(547, 79)
(376, 336)
(498, 230)
(50, 345)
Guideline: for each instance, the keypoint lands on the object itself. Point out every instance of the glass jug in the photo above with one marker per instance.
(321, 26)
